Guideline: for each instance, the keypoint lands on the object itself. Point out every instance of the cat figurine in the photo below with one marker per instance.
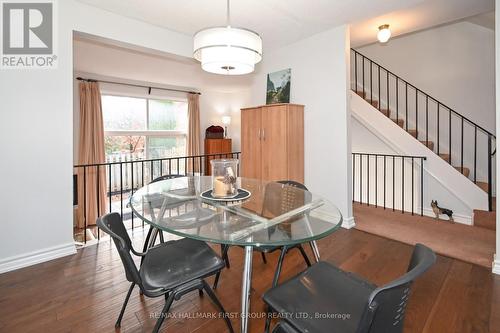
(438, 211)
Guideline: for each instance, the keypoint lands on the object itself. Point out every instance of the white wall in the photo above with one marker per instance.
(221, 95)
(320, 76)
(36, 129)
(451, 63)
(496, 262)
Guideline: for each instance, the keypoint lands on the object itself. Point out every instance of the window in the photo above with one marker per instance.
(137, 128)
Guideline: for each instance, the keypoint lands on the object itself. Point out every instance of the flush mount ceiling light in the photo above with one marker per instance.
(384, 33)
(227, 50)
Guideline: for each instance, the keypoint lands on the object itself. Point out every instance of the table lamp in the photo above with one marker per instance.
(226, 120)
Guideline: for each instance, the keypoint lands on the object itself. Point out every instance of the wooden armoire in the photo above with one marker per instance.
(272, 142)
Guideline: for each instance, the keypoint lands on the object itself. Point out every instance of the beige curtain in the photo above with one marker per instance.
(92, 180)
(193, 133)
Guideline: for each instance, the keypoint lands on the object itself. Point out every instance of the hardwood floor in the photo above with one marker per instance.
(84, 292)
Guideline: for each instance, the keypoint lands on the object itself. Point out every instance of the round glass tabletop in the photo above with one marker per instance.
(275, 214)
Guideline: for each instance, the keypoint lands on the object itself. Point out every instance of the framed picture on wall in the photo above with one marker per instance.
(278, 87)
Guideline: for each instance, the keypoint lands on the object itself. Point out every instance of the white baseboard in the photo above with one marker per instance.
(36, 257)
(496, 265)
(458, 218)
(348, 223)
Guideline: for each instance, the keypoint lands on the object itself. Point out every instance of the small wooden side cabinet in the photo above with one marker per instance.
(216, 146)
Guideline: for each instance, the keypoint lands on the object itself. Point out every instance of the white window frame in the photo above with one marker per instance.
(147, 133)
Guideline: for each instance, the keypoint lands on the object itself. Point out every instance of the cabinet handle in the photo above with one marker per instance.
(258, 133)
(263, 134)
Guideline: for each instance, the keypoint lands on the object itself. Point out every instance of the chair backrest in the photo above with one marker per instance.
(293, 183)
(165, 177)
(386, 306)
(112, 224)
(279, 200)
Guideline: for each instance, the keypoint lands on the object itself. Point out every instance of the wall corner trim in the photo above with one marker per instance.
(496, 265)
(36, 257)
(348, 223)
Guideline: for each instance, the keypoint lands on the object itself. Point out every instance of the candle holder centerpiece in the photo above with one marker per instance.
(224, 178)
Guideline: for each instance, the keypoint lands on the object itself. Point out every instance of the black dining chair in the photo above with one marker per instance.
(325, 299)
(275, 204)
(171, 269)
(154, 232)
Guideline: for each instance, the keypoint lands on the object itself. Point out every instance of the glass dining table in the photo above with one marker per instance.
(275, 214)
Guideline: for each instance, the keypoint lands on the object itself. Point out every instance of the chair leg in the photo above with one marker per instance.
(162, 240)
(218, 304)
(263, 257)
(216, 281)
(275, 283)
(163, 313)
(146, 242)
(224, 250)
(304, 255)
(119, 320)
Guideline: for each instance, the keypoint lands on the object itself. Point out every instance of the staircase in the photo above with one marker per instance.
(460, 142)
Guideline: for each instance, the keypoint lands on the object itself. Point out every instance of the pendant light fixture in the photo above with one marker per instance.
(227, 50)
(384, 33)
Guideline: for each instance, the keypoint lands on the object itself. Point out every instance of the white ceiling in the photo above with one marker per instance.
(279, 22)
(424, 15)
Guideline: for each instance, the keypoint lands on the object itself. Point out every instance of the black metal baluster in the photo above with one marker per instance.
(376, 181)
(109, 188)
(132, 190)
(379, 96)
(397, 100)
(402, 184)
(368, 179)
(201, 166)
(121, 190)
(406, 102)
(387, 92)
(151, 171)
(385, 172)
(412, 185)
(185, 166)
(356, 71)
(427, 121)
(85, 205)
(475, 152)
(449, 135)
(360, 178)
(393, 182)
(416, 114)
(363, 59)
(422, 186)
(462, 148)
(178, 168)
(371, 83)
(142, 184)
(353, 176)
(98, 200)
(438, 117)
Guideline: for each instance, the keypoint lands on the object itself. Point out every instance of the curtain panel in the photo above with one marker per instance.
(91, 180)
(193, 133)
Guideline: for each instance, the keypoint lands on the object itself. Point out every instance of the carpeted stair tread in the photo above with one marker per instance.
(400, 122)
(465, 171)
(445, 157)
(413, 133)
(429, 144)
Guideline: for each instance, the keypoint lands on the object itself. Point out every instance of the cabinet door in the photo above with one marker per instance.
(250, 143)
(274, 143)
